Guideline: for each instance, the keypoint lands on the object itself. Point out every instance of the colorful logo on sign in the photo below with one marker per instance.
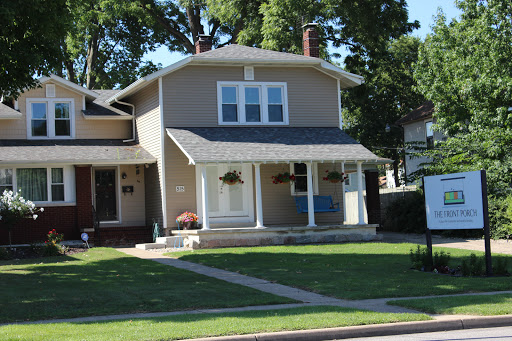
(453, 197)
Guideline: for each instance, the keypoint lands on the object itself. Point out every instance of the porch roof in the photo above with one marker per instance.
(269, 144)
(105, 152)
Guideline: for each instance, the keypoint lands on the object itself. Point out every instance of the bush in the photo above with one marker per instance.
(420, 260)
(473, 267)
(52, 246)
(406, 214)
(500, 217)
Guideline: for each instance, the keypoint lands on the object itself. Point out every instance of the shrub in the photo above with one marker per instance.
(474, 266)
(500, 217)
(406, 214)
(420, 260)
(500, 266)
(52, 246)
(4, 254)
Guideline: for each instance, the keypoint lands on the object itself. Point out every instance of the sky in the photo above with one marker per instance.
(421, 10)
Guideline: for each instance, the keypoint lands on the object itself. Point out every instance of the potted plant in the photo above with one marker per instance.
(231, 178)
(283, 178)
(334, 176)
(187, 220)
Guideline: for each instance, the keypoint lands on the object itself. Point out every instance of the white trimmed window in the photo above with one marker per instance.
(252, 103)
(429, 132)
(50, 118)
(300, 185)
(43, 184)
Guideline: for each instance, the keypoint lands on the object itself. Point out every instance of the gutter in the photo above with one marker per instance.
(133, 119)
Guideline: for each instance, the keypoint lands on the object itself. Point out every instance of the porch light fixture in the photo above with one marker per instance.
(124, 176)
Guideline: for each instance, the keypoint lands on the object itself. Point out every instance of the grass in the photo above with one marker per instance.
(486, 305)
(205, 325)
(104, 281)
(351, 271)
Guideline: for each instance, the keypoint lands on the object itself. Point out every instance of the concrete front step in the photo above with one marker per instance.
(170, 241)
(148, 246)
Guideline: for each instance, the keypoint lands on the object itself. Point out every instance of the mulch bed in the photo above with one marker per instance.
(30, 252)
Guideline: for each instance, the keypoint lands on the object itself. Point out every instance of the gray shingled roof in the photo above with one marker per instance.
(420, 113)
(73, 151)
(281, 144)
(8, 112)
(100, 108)
(241, 52)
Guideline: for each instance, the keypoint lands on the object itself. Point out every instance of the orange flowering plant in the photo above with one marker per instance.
(186, 217)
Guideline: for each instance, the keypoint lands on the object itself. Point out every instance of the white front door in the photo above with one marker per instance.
(228, 203)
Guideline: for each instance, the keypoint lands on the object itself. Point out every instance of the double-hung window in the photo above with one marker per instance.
(429, 135)
(50, 118)
(36, 184)
(252, 103)
(300, 185)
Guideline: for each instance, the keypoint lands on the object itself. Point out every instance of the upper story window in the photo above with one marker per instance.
(252, 103)
(50, 118)
(429, 135)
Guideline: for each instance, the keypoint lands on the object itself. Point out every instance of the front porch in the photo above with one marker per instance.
(275, 235)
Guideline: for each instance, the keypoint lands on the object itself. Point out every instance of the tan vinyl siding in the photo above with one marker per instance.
(17, 129)
(132, 205)
(179, 173)
(148, 133)
(279, 205)
(190, 94)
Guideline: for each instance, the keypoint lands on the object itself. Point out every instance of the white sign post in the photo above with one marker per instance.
(455, 202)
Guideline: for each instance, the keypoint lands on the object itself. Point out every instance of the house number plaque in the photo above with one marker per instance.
(180, 188)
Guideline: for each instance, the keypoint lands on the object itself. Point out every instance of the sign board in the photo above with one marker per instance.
(454, 201)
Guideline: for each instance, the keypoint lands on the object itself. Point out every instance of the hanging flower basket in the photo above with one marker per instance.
(231, 178)
(283, 178)
(334, 176)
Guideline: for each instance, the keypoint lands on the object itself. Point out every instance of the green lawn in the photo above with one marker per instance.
(104, 281)
(464, 305)
(352, 271)
(204, 325)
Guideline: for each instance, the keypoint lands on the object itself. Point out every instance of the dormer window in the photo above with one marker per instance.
(252, 103)
(50, 118)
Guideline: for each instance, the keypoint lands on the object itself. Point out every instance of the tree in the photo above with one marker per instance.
(30, 37)
(465, 68)
(106, 43)
(387, 95)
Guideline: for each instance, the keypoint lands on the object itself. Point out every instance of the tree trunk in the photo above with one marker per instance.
(395, 171)
(92, 55)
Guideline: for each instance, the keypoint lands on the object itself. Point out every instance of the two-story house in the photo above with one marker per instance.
(158, 147)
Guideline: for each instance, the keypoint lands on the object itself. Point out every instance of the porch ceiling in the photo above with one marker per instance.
(269, 144)
(72, 151)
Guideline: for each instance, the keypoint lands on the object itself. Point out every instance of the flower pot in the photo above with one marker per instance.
(231, 182)
(190, 225)
(334, 181)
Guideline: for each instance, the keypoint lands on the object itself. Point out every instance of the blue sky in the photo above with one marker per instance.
(421, 10)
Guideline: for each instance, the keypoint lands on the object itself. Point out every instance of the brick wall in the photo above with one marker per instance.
(83, 197)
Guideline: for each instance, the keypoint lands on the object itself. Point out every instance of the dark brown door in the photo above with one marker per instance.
(106, 203)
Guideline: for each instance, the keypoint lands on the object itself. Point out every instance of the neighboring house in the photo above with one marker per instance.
(417, 126)
(234, 108)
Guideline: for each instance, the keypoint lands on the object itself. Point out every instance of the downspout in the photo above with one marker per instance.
(133, 119)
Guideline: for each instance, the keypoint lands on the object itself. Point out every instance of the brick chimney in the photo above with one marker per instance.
(310, 40)
(203, 43)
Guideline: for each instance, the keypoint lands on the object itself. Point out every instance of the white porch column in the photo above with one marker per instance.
(204, 198)
(259, 202)
(343, 194)
(311, 204)
(360, 197)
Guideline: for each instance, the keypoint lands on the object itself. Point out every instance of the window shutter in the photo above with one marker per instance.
(249, 73)
(50, 90)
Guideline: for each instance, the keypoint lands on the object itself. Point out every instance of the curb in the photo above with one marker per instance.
(373, 330)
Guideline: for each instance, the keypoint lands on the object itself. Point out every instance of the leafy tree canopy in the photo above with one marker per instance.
(30, 35)
(387, 94)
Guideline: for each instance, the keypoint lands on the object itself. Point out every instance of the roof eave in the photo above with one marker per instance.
(83, 162)
(89, 94)
(107, 117)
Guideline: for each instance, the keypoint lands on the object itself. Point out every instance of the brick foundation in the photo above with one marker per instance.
(123, 235)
